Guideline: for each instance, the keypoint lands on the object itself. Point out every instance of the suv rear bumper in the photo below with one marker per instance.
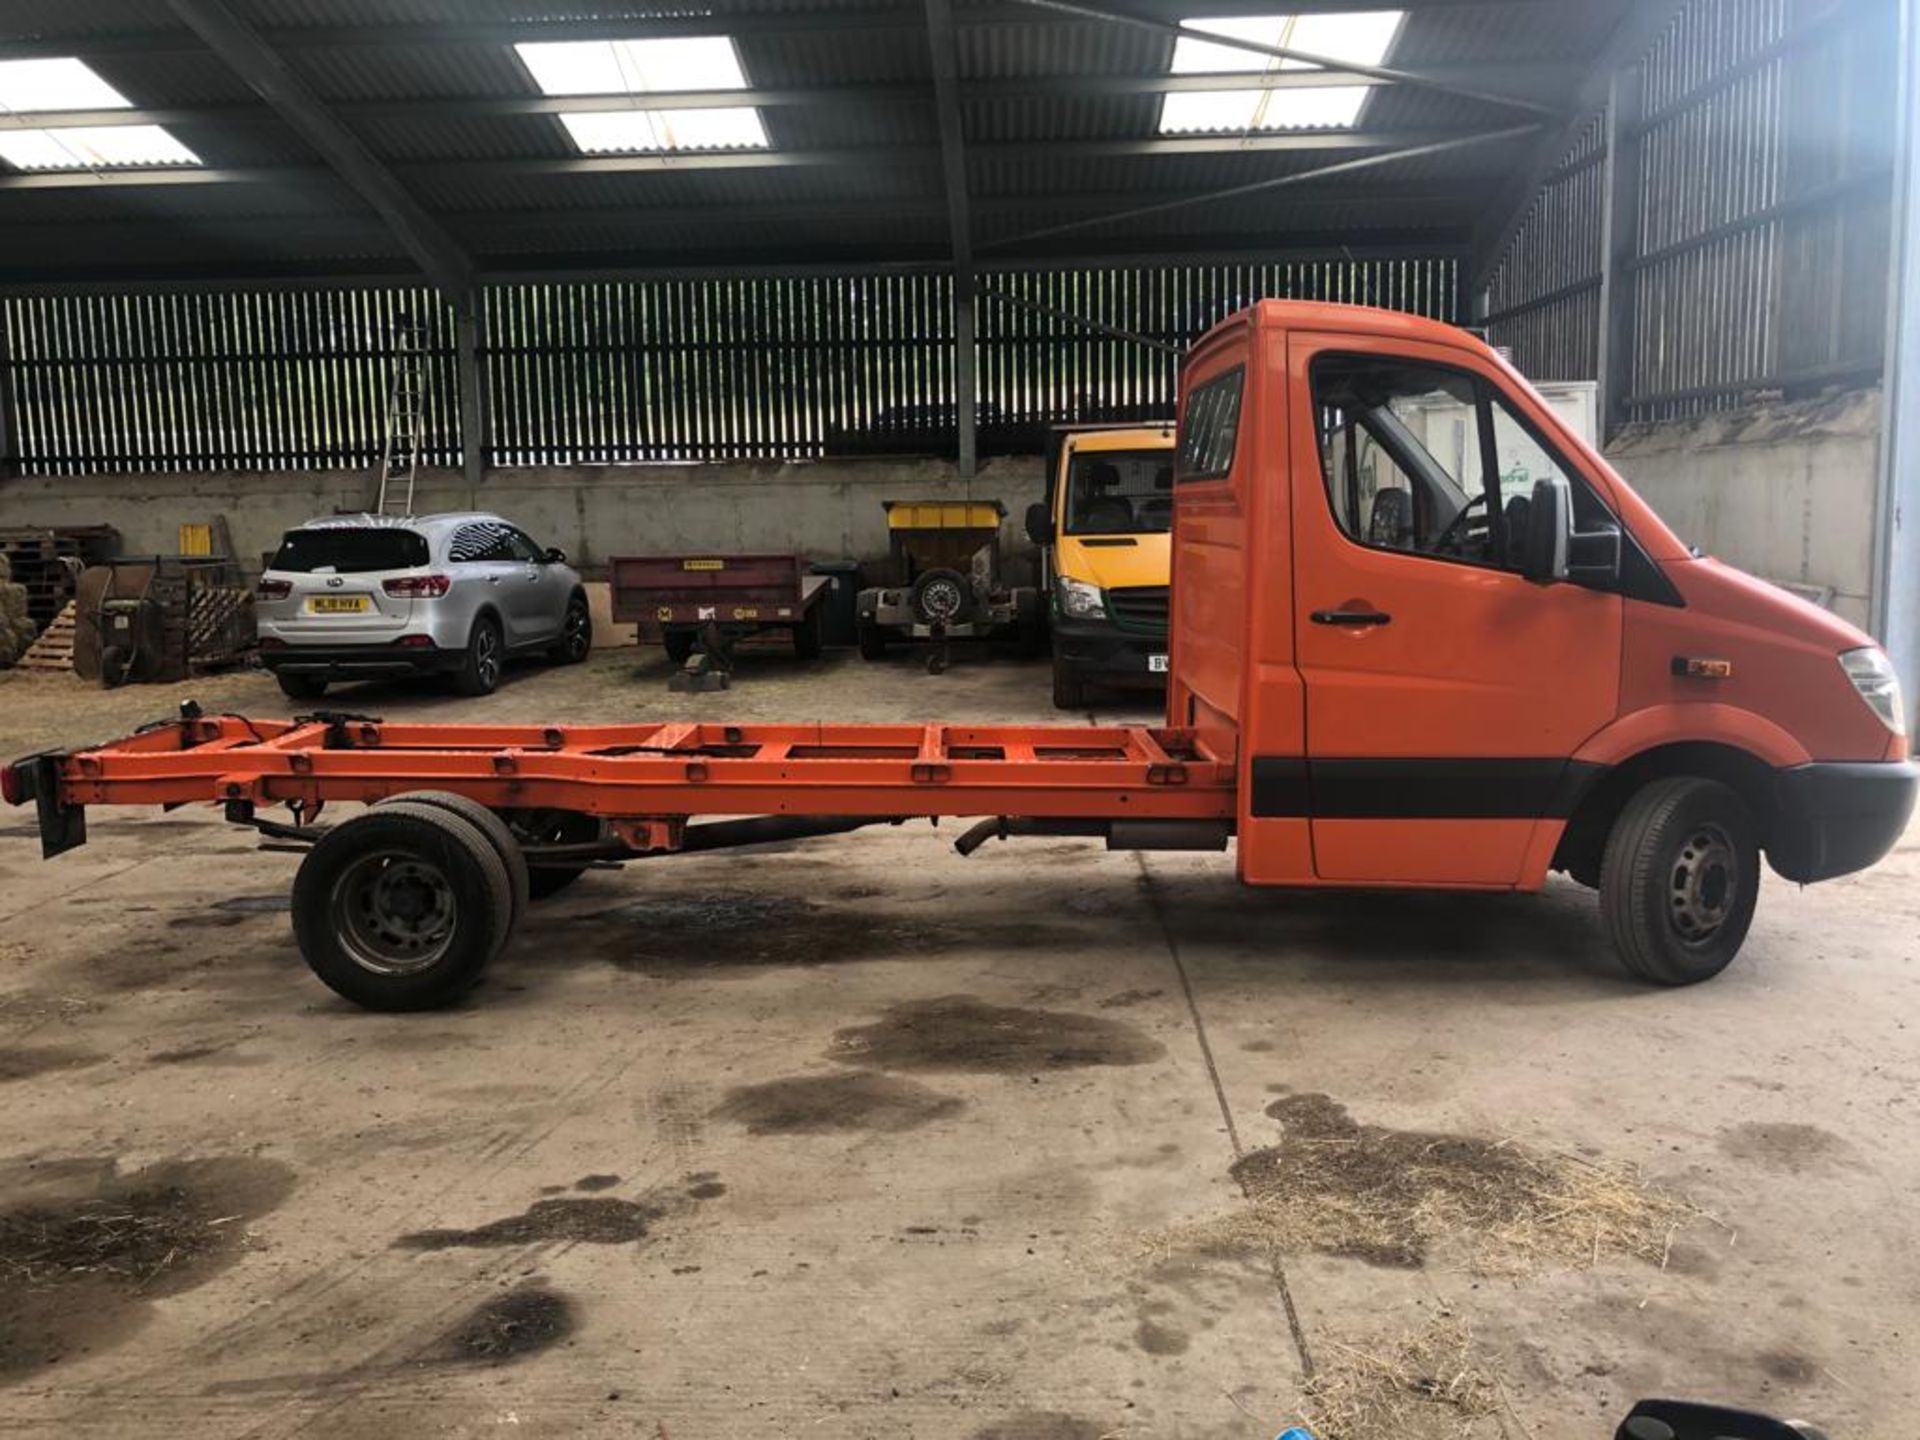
(1834, 817)
(361, 662)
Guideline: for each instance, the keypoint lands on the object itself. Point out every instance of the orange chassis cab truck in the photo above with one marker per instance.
(1421, 635)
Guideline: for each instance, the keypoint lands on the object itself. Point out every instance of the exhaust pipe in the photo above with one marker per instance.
(1119, 834)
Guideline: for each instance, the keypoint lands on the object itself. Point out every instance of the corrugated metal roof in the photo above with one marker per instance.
(421, 83)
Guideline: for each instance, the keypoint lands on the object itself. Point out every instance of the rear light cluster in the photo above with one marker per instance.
(13, 784)
(417, 587)
(273, 589)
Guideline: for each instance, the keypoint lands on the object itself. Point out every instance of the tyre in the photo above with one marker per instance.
(114, 661)
(806, 637)
(401, 907)
(576, 634)
(480, 667)
(1069, 690)
(555, 827)
(302, 687)
(679, 645)
(1679, 879)
(873, 642)
(941, 597)
(497, 832)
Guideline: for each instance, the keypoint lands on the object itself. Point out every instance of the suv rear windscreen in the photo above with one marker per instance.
(350, 552)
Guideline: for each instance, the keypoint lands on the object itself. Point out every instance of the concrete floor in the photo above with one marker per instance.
(790, 1144)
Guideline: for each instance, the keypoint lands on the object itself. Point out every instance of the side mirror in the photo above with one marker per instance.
(1593, 556)
(555, 555)
(1549, 529)
(1039, 524)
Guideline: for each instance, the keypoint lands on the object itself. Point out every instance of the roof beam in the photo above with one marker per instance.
(1643, 22)
(1081, 9)
(235, 42)
(1538, 79)
(892, 157)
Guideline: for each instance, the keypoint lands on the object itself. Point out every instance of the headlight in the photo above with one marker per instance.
(1872, 675)
(1079, 599)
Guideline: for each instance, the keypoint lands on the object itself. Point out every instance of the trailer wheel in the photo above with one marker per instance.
(873, 641)
(1679, 879)
(678, 644)
(498, 833)
(806, 637)
(941, 597)
(401, 907)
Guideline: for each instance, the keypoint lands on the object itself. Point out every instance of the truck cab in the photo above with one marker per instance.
(1103, 532)
(1446, 645)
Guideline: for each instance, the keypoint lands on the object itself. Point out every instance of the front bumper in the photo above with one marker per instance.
(1101, 650)
(361, 662)
(1834, 817)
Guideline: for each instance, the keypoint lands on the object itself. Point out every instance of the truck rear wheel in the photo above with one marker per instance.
(401, 907)
(1679, 879)
(496, 830)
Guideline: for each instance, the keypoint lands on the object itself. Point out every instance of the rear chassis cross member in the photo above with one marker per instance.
(645, 781)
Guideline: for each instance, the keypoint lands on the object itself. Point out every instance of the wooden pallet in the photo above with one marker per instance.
(53, 652)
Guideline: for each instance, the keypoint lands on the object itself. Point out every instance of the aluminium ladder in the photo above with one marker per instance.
(406, 389)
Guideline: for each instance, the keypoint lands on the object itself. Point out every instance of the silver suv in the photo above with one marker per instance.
(361, 596)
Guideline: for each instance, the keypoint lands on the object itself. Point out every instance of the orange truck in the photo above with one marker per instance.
(1422, 635)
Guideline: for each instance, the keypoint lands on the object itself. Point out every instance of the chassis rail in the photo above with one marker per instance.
(646, 780)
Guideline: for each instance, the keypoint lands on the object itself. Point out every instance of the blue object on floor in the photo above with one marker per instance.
(1296, 1433)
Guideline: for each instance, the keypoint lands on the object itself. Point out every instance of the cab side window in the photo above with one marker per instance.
(1401, 455)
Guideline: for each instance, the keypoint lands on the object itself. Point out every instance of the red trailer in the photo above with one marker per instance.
(712, 602)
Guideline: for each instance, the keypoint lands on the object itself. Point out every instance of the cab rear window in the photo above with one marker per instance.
(350, 552)
(1210, 427)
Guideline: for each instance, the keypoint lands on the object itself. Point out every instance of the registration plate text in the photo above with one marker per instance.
(337, 604)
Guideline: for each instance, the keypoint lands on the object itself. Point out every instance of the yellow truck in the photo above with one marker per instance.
(1102, 532)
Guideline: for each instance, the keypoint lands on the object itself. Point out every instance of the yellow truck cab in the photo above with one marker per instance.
(1103, 532)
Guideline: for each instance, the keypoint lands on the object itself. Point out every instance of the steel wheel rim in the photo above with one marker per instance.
(394, 913)
(486, 656)
(1703, 885)
(578, 627)
(941, 600)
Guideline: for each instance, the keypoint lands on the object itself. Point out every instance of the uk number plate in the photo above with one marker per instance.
(336, 604)
(1157, 664)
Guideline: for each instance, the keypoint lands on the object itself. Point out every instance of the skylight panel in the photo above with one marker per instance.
(733, 127)
(633, 67)
(641, 68)
(93, 147)
(1360, 38)
(61, 83)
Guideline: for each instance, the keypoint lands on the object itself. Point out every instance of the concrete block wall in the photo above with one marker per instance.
(1785, 491)
(821, 509)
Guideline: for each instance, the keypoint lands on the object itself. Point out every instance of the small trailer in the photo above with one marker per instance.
(712, 602)
(1420, 672)
(947, 584)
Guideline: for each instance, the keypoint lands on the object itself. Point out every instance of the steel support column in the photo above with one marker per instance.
(469, 331)
(1619, 237)
(9, 421)
(1895, 605)
(944, 54)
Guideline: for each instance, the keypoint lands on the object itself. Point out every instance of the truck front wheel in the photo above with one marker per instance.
(1069, 689)
(1679, 880)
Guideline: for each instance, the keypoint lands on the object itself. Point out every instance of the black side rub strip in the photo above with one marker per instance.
(1419, 789)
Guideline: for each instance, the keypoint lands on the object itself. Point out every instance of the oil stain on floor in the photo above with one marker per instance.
(22, 1062)
(524, 1321)
(604, 1221)
(961, 1033)
(80, 1268)
(834, 1103)
(1044, 1425)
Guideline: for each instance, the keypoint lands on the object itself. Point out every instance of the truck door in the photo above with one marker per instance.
(1444, 692)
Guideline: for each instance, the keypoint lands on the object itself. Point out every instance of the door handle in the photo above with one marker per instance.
(1351, 617)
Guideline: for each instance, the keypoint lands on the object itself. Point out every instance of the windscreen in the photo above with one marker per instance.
(350, 552)
(1120, 492)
